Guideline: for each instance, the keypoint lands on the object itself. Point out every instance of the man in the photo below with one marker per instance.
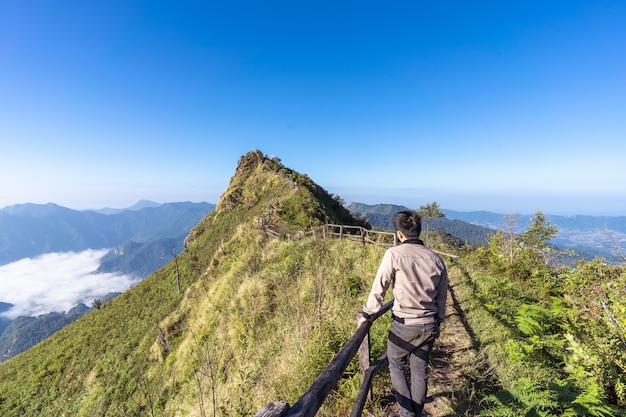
(420, 284)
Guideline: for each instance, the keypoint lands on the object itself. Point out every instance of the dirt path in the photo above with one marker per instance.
(453, 352)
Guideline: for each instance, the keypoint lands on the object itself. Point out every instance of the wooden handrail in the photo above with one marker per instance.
(311, 401)
(363, 232)
(362, 236)
(368, 370)
(374, 369)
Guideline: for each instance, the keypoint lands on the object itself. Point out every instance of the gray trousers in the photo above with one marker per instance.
(414, 342)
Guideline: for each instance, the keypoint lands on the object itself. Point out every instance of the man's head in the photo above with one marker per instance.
(408, 223)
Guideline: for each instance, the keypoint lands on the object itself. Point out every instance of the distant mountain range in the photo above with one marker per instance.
(29, 230)
(147, 233)
(588, 236)
(141, 204)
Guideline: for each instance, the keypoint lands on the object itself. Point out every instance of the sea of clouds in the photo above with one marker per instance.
(56, 282)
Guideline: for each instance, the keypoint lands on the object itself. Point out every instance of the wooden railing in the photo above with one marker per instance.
(358, 233)
(342, 231)
(311, 401)
(375, 237)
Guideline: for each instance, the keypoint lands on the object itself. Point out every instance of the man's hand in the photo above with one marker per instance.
(362, 317)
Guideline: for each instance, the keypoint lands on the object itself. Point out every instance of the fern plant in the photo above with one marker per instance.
(525, 398)
(529, 398)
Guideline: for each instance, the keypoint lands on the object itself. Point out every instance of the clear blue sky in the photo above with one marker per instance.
(506, 106)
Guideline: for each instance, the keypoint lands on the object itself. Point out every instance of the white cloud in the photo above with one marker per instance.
(57, 282)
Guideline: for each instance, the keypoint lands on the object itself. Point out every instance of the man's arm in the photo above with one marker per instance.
(442, 291)
(381, 283)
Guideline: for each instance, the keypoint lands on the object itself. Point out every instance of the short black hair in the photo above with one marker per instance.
(408, 222)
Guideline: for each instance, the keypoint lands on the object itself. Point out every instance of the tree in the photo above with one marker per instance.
(511, 221)
(429, 212)
(539, 232)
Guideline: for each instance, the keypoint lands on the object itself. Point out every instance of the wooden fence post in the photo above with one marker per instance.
(275, 409)
(364, 358)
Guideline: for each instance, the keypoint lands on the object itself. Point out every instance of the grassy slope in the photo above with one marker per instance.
(256, 319)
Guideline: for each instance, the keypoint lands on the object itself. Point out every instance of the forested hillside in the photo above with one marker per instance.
(380, 215)
(586, 237)
(242, 318)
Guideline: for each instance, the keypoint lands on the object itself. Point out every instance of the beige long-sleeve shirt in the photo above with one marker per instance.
(419, 280)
